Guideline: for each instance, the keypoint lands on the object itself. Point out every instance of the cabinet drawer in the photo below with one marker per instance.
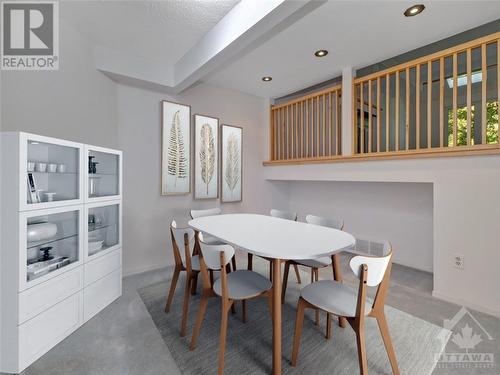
(39, 298)
(38, 335)
(102, 266)
(98, 295)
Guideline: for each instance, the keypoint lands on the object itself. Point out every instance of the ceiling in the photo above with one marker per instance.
(356, 34)
(161, 31)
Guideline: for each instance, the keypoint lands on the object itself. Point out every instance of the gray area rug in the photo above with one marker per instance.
(249, 345)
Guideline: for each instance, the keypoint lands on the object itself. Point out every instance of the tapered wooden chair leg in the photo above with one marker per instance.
(171, 292)
(244, 311)
(297, 273)
(384, 331)
(185, 305)
(199, 320)
(285, 281)
(360, 340)
(299, 320)
(328, 326)
(194, 284)
(250, 262)
(223, 332)
(315, 277)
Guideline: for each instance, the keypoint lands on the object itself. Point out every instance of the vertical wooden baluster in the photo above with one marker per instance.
(370, 130)
(429, 104)
(441, 102)
(297, 138)
(455, 100)
(355, 118)
(396, 125)
(278, 135)
(469, 96)
(498, 87)
(318, 127)
(407, 114)
(338, 128)
(307, 127)
(287, 109)
(361, 119)
(302, 137)
(283, 138)
(275, 138)
(417, 106)
(378, 114)
(387, 111)
(292, 131)
(330, 129)
(324, 123)
(483, 93)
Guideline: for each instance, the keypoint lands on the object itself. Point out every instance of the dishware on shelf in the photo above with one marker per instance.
(61, 168)
(52, 168)
(41, 268)
(41, 167)
(31, 166)
(41, 231)
(49, 196)
(94, 186)
(95, 246)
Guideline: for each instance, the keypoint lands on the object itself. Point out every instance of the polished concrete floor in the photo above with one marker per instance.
(123, 340)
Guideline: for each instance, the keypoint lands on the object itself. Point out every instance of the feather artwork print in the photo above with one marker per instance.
(232, 170)
(177, 161)
(207, 154)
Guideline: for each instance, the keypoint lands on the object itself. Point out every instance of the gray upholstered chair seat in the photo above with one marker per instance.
(315, 263)
(243, 285)
(211, 240)
(333, 297)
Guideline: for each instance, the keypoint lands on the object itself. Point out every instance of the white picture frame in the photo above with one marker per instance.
(206, 156)
(231, 163)
(176, 149)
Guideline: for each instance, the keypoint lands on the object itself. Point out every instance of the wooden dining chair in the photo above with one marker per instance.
(184, 262)
(317, 263)
(208, 238)
(282, 215)
(340, 300)
(239, 285)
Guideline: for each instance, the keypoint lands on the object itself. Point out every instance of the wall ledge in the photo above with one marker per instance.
(458, 151)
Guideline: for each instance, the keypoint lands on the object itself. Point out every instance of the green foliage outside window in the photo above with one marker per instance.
(491, 124)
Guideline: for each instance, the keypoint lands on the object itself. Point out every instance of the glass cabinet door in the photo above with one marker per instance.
(103, 225)
(53, 172)
(52, 243)
(103, 173)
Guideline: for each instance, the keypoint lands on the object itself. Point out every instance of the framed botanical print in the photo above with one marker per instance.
(231, 160)
(206, 156)
(176, 150)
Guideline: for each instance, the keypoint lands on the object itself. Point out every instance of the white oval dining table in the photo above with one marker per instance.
(278, 239)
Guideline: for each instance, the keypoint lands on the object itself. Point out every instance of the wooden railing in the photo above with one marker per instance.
(306, 128)
(441, 102)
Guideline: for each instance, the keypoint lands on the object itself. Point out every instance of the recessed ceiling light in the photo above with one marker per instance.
(267, 79)
(321, 53)
(414, 10)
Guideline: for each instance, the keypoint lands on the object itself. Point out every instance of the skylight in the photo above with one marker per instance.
(462, 79)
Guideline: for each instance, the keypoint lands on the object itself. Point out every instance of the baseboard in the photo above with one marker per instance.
(152, 267)
(461, 302)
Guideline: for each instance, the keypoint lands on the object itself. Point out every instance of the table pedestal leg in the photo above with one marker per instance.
(276, 317)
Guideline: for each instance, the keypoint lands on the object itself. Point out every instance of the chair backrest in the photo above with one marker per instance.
(377, 266)
(211, 254)
(325, 222)
(178, 237)
(284, 214)
(209, 212)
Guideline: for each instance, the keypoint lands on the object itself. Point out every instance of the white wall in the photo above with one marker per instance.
(466, 215)
(76, 102)
(147, 214)
(375, 211)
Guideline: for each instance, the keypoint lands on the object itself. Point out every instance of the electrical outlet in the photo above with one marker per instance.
(458, 261)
